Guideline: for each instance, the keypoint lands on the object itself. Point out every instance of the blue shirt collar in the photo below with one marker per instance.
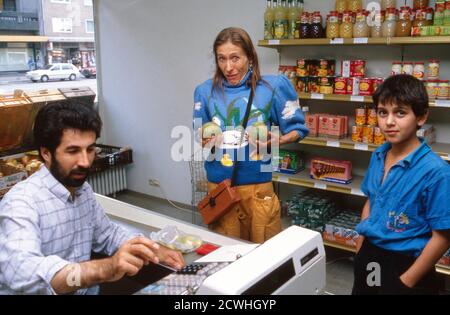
(243, 81)
(411, 159)
(58, 189)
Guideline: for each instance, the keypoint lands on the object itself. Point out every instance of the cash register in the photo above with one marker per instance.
(292, 262)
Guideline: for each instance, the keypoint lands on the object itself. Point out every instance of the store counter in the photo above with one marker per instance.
(293, 262)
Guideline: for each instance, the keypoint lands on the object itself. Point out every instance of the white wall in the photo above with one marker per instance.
(151, 56)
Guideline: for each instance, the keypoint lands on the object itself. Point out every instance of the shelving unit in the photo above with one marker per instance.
(442, 149)
(425, 40)
(358, 99)
(303, 179)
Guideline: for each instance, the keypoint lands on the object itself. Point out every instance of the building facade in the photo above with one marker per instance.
(69, 26)
(20, 40)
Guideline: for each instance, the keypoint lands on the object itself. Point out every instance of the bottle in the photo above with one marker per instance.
(298, 18)
(404, 24)
(305, 27)
(316, 27)
(346, 27)
(390, 23)
(292, 18)
(333, 25)
(280, 22)
(268, 21)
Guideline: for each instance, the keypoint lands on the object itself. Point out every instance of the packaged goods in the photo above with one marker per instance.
(289, 162)
(331, 170)
(357, 133)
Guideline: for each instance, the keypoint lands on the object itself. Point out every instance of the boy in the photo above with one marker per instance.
(405, 227)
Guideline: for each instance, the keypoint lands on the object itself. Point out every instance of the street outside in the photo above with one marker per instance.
(18, 81)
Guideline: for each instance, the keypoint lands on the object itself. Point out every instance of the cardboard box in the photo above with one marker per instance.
(331, 170)
(289, 162)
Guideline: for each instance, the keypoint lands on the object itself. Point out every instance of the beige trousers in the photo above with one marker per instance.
(257, 216)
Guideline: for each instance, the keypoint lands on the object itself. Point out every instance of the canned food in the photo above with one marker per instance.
(302, 84)
(365, 87)
(302, 68)
(326, 85)
(358, 68)
(322, 71)
(312, 66)
(376, 83)
(396, 68)
(314, 85)
(361, 116)
(340, 86)
(368, 134)
(353, 86)
(408, 68)
(443, 90)
(372, 117)
(432, 88)
(357, 133)
(378, 138)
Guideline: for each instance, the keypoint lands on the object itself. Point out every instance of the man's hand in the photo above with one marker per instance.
(170, 257)
(131, 257)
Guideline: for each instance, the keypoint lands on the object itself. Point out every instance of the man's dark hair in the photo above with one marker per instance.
(403, 90)
(54, 118)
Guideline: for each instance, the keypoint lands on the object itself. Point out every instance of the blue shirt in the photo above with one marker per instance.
(42, 230)
(275, 103)
(413, 200)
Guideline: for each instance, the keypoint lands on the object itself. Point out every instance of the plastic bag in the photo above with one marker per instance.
(174, 239)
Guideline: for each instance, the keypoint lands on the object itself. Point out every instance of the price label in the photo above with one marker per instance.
(283, 179)
(357, 192)
(361, 147)
(334, 144)
(337, 41)
(361, 40)
(316, 96)
(274, 42)
(320, 186)
(442, 103)
(356, 98)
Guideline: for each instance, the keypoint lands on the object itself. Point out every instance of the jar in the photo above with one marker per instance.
(341, 6)
(419, 70)
(377, 27)
(419, 21)
(396, 68)
(432, 88)
(433, 70)
(360, 115)
(333, 25)
(404, 25)
(385, 4)
(346, 27)
(354, 5)
(316, 26)
(408, 68)
(305, 27)
(372, 117)
(389, 24)
(443, 90)
(420, 4)
(361, 29)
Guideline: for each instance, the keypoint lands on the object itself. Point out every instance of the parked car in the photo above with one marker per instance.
(89, 72)
(57, 71)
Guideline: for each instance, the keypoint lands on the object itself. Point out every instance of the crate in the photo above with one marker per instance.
(43, 97)
(110, 157)
(17, 114)
(80, 95)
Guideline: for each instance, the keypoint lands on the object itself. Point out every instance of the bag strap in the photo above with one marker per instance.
(244, 126)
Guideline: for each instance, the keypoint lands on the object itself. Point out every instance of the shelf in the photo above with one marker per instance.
(358, 99)
(303, 179)
(428, 40)
(339, 246)
(441, 149)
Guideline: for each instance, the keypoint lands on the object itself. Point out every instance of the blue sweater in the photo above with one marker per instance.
(275, 103)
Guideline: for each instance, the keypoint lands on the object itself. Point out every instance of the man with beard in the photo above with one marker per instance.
(51, 222)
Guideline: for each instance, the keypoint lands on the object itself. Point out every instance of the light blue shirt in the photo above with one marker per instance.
(42, 230)
(412, 201)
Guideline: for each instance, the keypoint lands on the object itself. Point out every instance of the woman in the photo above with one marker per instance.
(223, 100)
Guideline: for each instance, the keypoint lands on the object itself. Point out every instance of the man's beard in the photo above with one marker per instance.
(67, 181)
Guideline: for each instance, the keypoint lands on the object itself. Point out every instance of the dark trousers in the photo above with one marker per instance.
(385, 268)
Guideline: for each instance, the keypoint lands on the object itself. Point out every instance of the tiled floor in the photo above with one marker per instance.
(339, 263)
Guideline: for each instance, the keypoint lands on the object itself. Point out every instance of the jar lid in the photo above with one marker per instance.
(420, 63)
(434, 60)
(397, 62)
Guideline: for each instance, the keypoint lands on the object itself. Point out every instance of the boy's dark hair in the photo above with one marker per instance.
(54, 118)
(404, 90)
